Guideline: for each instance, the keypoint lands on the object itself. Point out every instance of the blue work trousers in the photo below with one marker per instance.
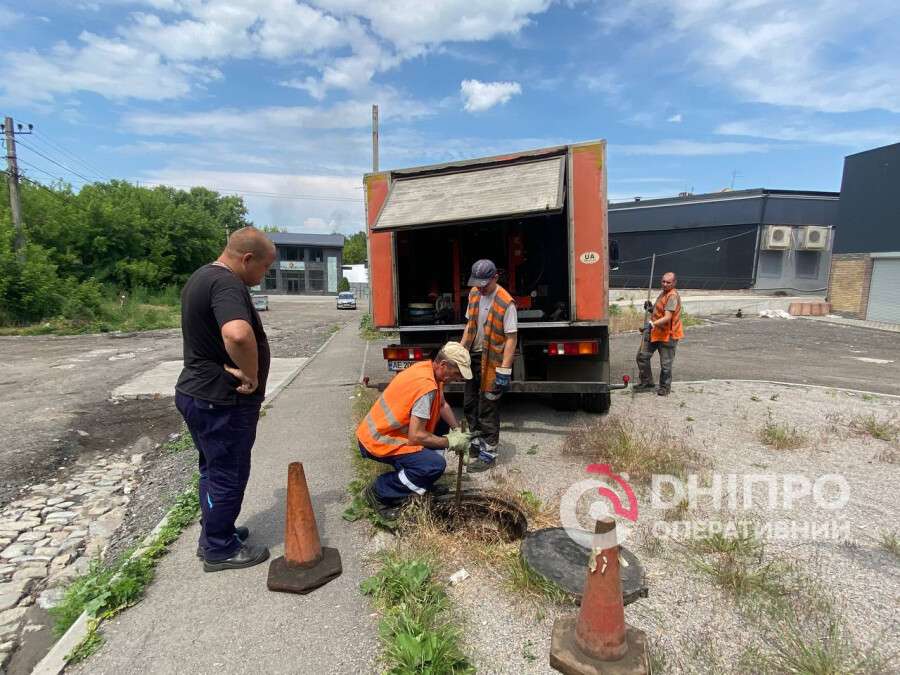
(414, 472)
(223, 436)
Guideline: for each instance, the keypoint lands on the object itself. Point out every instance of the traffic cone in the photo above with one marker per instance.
(306, 564)
(597, 641)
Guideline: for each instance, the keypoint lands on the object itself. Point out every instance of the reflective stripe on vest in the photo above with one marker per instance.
(494, 339)
(385, 429)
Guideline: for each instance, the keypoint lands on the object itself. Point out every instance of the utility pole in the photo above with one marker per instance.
(375, 138)
(12, 179)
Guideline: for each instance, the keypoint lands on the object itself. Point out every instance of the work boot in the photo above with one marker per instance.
(487, 457)
(386, 511)
(643, 387)
(245, 556)
(242, 533)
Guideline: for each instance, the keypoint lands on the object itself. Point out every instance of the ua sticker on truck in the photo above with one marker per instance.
(590, 257)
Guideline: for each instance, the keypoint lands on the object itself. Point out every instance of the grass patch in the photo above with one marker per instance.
(364, 470)
(781, 436)
(625, 319)
(638, 450)
(180, 443)
(417, 630)
(106, 590)
(525, 581)
(368, 331)
(883, 430)
(688, 320)
(890, 543)
(140, 311)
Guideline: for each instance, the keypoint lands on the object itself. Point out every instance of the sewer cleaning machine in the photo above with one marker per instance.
(541, 217)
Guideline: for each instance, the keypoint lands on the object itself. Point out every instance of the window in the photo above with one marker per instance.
(315, 255)
(807, 264)
(316, 280)
(292, 253)
(271, 282)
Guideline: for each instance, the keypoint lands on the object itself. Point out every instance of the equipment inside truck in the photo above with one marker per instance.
(433, 267)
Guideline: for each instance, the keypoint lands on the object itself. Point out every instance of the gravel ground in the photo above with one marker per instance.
(693, 626)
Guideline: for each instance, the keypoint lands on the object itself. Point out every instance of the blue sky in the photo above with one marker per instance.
(274, 96)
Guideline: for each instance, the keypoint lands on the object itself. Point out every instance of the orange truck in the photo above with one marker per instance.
(541, 216)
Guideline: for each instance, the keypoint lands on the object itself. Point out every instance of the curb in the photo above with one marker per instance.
(54, 662)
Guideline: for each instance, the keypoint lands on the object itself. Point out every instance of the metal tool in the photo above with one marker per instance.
(644, 334)
(465, 427)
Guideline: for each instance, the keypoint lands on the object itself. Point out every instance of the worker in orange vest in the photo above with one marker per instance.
(491, 335)
(402, 429)
(662, 333)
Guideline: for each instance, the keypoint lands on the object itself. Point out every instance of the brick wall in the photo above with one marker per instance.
(848, 284)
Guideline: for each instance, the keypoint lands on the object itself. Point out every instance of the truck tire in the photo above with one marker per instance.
(565, 402)
(596, 403)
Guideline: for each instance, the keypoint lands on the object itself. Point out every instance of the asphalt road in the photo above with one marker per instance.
(799, 351)
(54, 391)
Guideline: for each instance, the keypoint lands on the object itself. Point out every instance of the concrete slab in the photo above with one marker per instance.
(159, 381)
(707, 304)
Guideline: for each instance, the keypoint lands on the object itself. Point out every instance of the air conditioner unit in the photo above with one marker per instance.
(777, 237)
(813, 238)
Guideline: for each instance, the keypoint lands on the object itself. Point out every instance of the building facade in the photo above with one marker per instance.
(870, 202)
(306, 264)
(768, 240)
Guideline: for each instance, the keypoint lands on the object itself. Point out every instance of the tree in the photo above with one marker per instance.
(343, 285)
(273, 228)
(355, 249)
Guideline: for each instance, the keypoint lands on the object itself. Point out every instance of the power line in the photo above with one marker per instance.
(56, 146)
(59, 164)
(689, 248)
(277, 195)
(43, 171)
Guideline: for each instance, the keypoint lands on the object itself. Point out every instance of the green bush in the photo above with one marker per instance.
(82, 301)
(343, 285)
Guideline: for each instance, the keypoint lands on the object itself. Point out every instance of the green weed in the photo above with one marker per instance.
(522, 579)
(781, 436)
(180, 443)
(890, 543)
(417, 630)
(883, 430)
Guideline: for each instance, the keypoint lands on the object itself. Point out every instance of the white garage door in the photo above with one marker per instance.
(884, 293)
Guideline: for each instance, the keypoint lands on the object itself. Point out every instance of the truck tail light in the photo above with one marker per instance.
(404, 354)
(584, 348)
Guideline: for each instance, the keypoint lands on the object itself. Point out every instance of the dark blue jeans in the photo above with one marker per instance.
(413, 472)
(223, 436)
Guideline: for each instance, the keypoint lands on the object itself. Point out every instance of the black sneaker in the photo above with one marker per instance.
(643, 387)
(663, 391)
(245, 556)
(242, 533)
(386, 511)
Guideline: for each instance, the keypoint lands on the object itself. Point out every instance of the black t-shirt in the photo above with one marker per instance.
(212, 297)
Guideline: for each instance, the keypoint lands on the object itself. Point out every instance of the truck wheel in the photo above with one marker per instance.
(565, 402)
(596, 403)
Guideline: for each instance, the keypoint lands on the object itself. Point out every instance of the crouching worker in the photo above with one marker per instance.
(402, 430)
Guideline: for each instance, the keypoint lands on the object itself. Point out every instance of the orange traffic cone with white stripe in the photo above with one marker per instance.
(597, 641)
(306, 564)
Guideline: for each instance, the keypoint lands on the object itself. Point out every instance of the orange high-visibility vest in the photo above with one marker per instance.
(672, 330)
(494, 337)
(385, 430)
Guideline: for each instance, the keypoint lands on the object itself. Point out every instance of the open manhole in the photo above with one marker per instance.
(553, 554)
(484, 515)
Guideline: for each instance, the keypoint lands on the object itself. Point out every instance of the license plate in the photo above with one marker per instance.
(399, 365)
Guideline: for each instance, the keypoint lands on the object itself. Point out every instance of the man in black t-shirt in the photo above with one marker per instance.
(221, 388)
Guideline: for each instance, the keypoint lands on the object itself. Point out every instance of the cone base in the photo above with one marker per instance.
(567, 658)
(288, 578)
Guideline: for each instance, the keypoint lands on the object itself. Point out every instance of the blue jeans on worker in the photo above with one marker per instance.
(224, 436)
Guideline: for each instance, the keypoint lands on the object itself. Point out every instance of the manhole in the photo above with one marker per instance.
(553, 554)
(484, 515)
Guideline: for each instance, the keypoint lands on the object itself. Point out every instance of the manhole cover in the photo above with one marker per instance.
(553, 554)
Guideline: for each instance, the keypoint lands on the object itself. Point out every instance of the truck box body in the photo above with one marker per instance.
(540, 216)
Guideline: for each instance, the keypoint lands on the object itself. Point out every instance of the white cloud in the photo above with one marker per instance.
(806, 131)
(823, 54)
(479, 96)
(677, 118)
(165, 52)
(8, 17)
(689, 148)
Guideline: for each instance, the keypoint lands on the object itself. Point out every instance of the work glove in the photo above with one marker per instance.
(459, 441)
(647, 305)
(502, 379)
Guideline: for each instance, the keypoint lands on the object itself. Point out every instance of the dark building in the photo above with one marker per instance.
(306, 264)
(870, 202)
(760, 239)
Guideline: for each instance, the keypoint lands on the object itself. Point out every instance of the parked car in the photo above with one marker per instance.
(346, 300)
(261, 302)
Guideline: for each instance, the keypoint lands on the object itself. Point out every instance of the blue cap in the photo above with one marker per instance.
(483, 271)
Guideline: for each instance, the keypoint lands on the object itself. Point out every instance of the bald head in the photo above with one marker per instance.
(668, 280)
(249, 253)
(249, 240)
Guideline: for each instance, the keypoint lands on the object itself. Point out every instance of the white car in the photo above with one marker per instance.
(261, 302)
(346, 300)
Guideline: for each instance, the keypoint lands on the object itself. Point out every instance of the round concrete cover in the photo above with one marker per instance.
(553, 554)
